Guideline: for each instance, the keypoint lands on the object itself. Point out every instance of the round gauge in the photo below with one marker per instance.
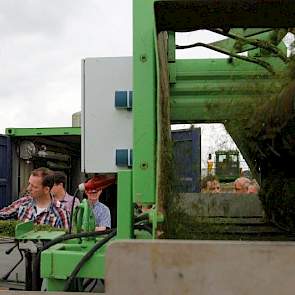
(27, 150)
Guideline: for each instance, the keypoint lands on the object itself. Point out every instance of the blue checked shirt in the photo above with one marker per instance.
(102, 214)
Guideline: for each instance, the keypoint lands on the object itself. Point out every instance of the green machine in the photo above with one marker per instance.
(168, 90)
(227, 165)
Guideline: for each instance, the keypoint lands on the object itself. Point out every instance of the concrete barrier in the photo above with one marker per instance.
(200, 267)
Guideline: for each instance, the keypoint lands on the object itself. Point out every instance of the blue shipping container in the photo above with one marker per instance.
(5, 171)
(187, 159)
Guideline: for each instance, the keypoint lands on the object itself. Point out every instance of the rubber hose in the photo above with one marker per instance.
(86, 257)
(65, 237)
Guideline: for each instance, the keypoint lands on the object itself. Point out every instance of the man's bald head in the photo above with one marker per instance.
(242, 184)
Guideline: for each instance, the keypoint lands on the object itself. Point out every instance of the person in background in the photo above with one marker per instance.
(247, 174)
(210, 164)
(210, 184)
(241, 185)
(253, 187)
(100, 211)
(38, 206)
(59, 191)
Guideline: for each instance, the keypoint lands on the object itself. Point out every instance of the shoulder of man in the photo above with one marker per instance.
(102, 206)
(25, 198)
(25, 201)
(70, 198)
(24, 207)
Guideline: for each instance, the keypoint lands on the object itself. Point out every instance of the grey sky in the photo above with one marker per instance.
(42, 44)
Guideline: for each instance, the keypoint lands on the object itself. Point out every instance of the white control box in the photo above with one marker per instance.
(105, 128)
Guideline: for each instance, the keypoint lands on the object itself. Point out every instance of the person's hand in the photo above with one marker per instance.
(100, 228)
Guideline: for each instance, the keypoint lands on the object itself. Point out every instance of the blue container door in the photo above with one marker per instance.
(5, 171)
(187, 159)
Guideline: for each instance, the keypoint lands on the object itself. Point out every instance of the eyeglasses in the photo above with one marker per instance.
(92, 191)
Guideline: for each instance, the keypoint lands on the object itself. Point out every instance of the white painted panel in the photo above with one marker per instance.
(104, 128)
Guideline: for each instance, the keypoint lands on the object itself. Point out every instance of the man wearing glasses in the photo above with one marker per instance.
(100, 211)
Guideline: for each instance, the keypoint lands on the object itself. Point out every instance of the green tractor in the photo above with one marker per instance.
(227, 167)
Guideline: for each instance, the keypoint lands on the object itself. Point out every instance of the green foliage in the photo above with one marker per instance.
(264, 133)
(277, 196)
(7, 228)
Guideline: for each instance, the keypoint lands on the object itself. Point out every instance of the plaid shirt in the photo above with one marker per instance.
(11, 211)
(67, 202)
(25, 209)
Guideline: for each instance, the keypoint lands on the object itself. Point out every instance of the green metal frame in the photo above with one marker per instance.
(144, 108)
(43, 131)
(125, 205)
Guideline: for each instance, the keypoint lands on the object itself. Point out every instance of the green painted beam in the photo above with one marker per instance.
(219, 66)
(51, 131)
(144, 105)
(214, 90)
(220, 87)
(210, 109)
(125, 205)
